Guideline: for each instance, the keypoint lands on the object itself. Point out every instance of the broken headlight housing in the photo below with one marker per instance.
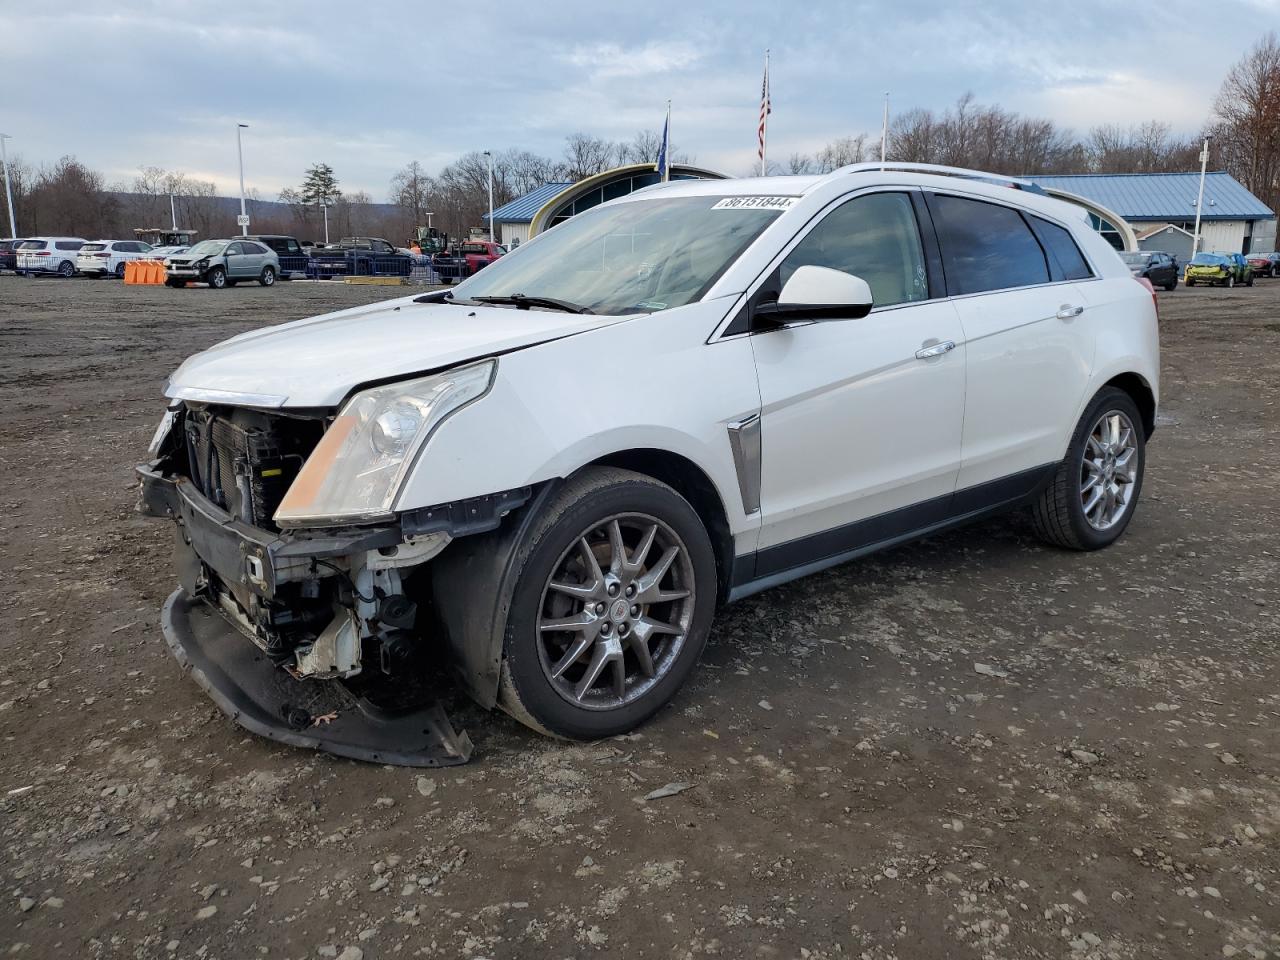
(356, 470)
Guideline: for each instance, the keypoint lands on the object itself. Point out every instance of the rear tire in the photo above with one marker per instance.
(66, 269)
(1230, 282)
(268, 277)
(1249, 282)
(633, 643)
(1062, 515)
(1171, 285)
(119, 270)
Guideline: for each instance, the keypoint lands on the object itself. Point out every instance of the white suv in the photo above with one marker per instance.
(49, 255)
(103, 258)
(550, 477)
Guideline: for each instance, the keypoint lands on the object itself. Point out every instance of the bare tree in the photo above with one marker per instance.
(586, 156)
(1246, 130)
(411, 189)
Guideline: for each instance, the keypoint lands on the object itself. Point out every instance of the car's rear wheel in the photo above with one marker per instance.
(268, 276)
(216, 278)
(66, 269)
(1249, 282)
(120, 270)
(1231, 281)
(612, 607)
(1093, 493)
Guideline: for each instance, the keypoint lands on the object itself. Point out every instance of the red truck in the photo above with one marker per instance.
(466, 258)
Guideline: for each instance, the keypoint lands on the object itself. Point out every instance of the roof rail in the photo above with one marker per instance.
(871, 166)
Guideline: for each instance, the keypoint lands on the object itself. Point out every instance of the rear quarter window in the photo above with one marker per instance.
(1066, 262)
(986, 246)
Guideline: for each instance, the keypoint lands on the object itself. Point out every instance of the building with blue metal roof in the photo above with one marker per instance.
(1160, 209)
(554, 203)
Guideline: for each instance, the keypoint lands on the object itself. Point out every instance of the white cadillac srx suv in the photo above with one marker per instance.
(548, 478)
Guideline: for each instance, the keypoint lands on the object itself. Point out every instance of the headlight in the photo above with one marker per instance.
(356, 470)
(162, 431)
(203, 264)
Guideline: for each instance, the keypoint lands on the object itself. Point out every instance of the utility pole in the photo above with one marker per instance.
(173, 213)
(8, 192)
(1204, 163)
(489, 156)
(243, 219)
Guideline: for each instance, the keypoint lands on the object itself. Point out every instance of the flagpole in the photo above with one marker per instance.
(764, 135)
(666, 173)
(884, 132)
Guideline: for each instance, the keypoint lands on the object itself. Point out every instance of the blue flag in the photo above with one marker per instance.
(661, 165)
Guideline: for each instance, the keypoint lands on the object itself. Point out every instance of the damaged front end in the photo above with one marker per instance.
(321, 637)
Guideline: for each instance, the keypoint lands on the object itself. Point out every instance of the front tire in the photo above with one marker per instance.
(612, 607)
(1191, 283)
(268, 277)
(1091, 498)
(216, 278)
(1230, 282)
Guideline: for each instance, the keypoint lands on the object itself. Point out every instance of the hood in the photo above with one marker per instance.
(318, 361)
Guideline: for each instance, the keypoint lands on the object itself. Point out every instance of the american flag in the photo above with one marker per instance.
(765, 109)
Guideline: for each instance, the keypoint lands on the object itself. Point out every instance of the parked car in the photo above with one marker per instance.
(49, 255)
(1224, 269)
(1158, 267)
(292, 257)
(9, 253)
(550, 476)
(466, 258)
(1264, 264)
(360, 257)
(106, 258)
(223, 263)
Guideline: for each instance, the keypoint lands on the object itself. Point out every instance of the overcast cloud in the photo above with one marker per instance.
(366, 89)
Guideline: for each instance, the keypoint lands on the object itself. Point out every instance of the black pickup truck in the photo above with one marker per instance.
(359, 257)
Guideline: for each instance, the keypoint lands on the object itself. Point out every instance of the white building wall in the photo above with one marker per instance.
(1264, 236)
(1222, 236)
(513, 233)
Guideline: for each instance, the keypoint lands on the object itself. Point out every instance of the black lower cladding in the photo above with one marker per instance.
(776, 564)
(321, 715)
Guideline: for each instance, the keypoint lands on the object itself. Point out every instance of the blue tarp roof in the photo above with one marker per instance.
(1163, 196)
(522, 209)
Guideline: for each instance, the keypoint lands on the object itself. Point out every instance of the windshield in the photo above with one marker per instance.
(1208, 260)
(1137, 259)
(633, 257)
(206, 248)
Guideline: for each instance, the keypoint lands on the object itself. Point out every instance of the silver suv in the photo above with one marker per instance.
(222, 263)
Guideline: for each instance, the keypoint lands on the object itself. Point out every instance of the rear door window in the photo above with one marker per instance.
(1066, 262)
(986, 246)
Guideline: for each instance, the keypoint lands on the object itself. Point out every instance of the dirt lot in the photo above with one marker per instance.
(860, 788)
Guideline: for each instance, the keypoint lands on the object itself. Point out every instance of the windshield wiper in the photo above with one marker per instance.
(522, 302)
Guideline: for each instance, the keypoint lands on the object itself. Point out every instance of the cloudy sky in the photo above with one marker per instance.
(152, 83)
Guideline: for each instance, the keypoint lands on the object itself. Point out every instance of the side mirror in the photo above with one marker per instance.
(819, 293)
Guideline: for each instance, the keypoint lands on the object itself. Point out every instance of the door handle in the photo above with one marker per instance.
(935, 349)
(1068, 312)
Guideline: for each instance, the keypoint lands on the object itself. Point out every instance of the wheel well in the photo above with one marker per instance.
(689, 480)
(1137, 388)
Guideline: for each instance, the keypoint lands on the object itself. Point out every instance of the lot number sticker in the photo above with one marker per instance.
(754, 203)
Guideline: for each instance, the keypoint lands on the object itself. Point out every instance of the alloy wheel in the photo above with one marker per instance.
(616, 611)
(1109, 470)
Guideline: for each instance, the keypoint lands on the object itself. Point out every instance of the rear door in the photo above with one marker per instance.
(860, 419)
(1029, 338)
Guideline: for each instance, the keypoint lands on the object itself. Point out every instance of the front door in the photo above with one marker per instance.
(860, 419)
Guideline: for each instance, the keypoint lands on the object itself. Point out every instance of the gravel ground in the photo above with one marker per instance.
(974, 746)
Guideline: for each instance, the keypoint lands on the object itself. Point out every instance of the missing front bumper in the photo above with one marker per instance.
(314, 715)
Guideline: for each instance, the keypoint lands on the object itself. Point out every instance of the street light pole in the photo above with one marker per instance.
(244, 217)
(490, 156)
(8, 193)
(884, 132)
(173, 213)
(1204, 163)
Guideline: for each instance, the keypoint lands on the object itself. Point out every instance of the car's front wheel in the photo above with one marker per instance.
(612, 607)
(1095, 489)
(1231, 281)
(216, 278)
